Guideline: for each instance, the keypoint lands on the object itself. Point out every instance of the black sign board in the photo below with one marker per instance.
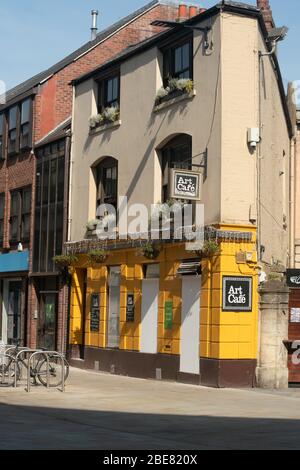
(293, 278)
(130, 308)
(95, 313)
(185, 184)
(237, 294)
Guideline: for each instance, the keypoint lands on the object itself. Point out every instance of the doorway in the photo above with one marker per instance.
(47, 321)
(149, 321)
(11, 314)
(113, 326)
(190, 325)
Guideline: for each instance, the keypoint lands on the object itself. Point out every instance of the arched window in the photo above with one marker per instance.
(177, 153)
(107, 182)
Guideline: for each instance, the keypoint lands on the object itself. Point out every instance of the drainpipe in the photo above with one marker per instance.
(71, 171)
(292, 204)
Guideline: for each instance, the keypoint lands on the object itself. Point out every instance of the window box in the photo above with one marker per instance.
(105, 127)
(173, 99)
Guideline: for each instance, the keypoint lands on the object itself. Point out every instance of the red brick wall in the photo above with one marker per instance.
(51, 112)
(52, 105)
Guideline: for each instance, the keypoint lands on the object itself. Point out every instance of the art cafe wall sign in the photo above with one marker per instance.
(186, 185)
(237, 294)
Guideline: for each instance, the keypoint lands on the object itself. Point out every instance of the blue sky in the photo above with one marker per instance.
(34, 34)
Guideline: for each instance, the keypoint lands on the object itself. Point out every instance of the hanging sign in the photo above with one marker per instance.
(168, 315)
(293, 278)
(237, 294)
(185, 184)
(95, 313)
(130, 308)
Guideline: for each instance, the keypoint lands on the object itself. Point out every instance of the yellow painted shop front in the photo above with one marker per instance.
(169, 318)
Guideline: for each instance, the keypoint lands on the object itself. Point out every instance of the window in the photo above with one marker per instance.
(49, 210)
(1, 136)
(107, 182)
(176, 154)
(109, 93)
(178, 61)
(25, 128)
(20, 208)
(12, 129)
(2, 202)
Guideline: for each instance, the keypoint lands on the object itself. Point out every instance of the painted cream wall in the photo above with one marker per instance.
(274, 165)
(135, 142)
(297, 194)
(244, 105)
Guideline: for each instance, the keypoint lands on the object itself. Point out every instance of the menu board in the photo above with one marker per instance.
(130, 308)
(95, 313)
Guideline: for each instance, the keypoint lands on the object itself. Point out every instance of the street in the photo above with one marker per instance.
(106, 412)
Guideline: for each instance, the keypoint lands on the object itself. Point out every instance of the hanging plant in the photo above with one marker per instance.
(97, 256)
(64, 261)
(150, 250)
(210, 249)
(110, 114)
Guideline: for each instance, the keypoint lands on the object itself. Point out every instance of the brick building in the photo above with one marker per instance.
(34, 165)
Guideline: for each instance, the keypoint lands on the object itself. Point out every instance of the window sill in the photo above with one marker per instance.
(105, 127)
(173, 101)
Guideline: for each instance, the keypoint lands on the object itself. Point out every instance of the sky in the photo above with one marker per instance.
(35, 34)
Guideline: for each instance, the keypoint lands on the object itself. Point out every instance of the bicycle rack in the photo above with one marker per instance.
(47, 354)
(22, 351)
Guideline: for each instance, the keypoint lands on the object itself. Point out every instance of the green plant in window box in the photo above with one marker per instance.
(210, 249)
(150, 250)
(92, 225)
(97, 256)
(176, 86)
(111, 114)
(64, 261)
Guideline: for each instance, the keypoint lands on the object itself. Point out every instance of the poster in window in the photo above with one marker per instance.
(95, 313)
(130, 308)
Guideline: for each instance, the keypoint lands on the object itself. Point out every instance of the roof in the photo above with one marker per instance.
(34, 81)
(224, 5)
(150, 42)
(58, 133)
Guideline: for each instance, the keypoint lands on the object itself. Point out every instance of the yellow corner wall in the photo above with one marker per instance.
(223, 335)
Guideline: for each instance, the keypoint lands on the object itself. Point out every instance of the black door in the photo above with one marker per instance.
(47, 321)
(14, 312)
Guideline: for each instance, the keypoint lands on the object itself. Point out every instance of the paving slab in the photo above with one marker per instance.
(107, 412)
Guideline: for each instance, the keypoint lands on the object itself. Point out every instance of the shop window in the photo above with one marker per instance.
(176, 154)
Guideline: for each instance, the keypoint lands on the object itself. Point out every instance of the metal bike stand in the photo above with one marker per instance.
(24, 350)
(47, 355)
(62, 358)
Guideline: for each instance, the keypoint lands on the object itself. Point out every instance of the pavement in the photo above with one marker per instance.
(106, 412)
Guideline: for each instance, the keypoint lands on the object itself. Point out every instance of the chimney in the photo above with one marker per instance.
(193, 11)
(94, 27)
(182, 12)
(264, 7)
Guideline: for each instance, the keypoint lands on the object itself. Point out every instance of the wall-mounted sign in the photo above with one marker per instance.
(168, 315)
(130, 308)
(295, 315)
(95, 313)
(185, 184)
(237, 294)
(293, 278)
